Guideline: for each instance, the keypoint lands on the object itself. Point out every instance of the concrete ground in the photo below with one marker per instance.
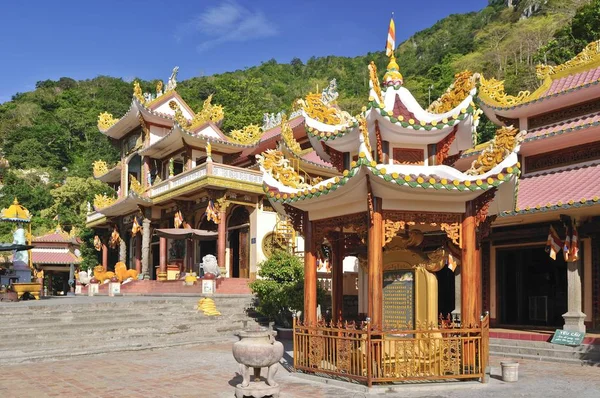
(209, 370)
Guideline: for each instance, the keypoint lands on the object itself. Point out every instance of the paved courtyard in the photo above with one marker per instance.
(209, 370)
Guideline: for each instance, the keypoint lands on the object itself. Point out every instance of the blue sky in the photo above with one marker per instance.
(82, 39)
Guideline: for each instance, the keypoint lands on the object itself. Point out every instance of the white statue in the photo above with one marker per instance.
(172, 83)
(84, 278)
(330, 94)
(89, 207)
(210, 265)
(20, 258)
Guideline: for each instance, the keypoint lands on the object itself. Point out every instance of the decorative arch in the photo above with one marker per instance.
(239, 216)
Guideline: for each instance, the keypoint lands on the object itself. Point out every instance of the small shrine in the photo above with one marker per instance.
(405, 211)
(19, 276)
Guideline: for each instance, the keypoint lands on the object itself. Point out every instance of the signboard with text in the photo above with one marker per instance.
(567, 337)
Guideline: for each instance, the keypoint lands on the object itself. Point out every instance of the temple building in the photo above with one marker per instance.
(558, 188)
(178, 171)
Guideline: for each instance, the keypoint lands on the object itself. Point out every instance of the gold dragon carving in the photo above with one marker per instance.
(505, 141)
(494, 90)
(100, 168)
(457, 92)
(135, 185)
(248, 135)
(106, 121)
(102, 201)
(274, 163)
(375, 81)
(288, 137)
(589, 55)
(364, 130)
(179, 118)
(209, 112)
(145, 128)
(316, 109)
(137, 92)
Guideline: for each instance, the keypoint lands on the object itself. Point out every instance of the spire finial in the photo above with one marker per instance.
(392, 77)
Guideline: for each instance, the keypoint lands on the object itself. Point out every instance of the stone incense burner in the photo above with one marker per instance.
(257, 348)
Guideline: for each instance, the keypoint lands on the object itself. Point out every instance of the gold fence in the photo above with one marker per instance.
(363, 353)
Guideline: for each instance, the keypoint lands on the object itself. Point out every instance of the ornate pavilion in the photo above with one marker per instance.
(399, 204)
(179, 170)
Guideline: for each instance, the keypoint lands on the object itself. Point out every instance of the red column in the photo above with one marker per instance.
(222, 239)
(104, 257)
(138, 254)
(310, 273)
(375, 259)
(338, 276)
(162, 269)
(471, 271)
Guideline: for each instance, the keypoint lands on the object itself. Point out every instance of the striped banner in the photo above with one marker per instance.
(391, 39)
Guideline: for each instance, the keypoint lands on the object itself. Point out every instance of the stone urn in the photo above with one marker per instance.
(257, 348)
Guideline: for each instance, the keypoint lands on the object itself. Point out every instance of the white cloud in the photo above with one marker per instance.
(227, 22)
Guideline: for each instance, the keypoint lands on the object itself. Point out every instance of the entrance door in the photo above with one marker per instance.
(532, 288)
(244, 259)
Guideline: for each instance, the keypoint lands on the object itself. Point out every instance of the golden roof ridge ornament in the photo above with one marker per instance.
(15, 212)
(137, 92)
(590, 55)
(106, 121)
(503, 144)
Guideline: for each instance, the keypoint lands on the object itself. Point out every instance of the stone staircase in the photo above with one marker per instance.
(73, 326)
(588, 354)
(152, 287)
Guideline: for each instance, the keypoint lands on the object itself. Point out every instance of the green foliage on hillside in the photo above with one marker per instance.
(52, 130)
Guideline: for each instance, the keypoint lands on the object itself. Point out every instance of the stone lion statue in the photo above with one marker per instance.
(210, 265)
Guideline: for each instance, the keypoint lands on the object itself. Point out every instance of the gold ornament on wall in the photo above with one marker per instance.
(106, 121)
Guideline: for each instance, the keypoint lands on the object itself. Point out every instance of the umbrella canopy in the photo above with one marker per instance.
(6, 247)
(183, 233)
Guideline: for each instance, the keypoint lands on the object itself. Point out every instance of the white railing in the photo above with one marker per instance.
(93, 216)
(203, 171)
(236, 173)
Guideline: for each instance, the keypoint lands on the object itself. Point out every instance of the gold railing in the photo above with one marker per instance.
(362, 353)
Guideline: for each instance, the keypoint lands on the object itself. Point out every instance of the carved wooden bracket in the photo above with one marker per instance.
(482, 205)
(453, 231)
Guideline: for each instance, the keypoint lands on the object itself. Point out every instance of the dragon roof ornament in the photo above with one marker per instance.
(316, 109)
(100, 168)
(273, 162)
(493, 90)
(288, 138)
(209, 112)
(106, 121)
(464, 82)
(589, 56)
(247, 135)
(503, 144)
(102, 201)
(137, 92)
(375, 81)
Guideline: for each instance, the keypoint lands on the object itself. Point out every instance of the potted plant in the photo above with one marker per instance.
(280, 289)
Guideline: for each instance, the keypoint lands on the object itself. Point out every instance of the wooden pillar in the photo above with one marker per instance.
(104, 257)
(138, 254)
(162, 270)
(222, 240)
(375, 264)
(471, 271)
(337, 276)
(146, 183)
(310, 273)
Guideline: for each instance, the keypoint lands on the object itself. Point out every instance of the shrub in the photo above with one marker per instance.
(280, 292)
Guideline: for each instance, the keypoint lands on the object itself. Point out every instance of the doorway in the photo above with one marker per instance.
(532, 288)
(239, 243)
(445, 278)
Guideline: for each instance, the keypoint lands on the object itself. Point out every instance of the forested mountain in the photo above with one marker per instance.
(50, 136)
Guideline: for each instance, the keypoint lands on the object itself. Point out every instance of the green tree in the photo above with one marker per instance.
(280, 291)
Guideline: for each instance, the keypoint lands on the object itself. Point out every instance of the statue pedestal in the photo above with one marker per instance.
(256, 389)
